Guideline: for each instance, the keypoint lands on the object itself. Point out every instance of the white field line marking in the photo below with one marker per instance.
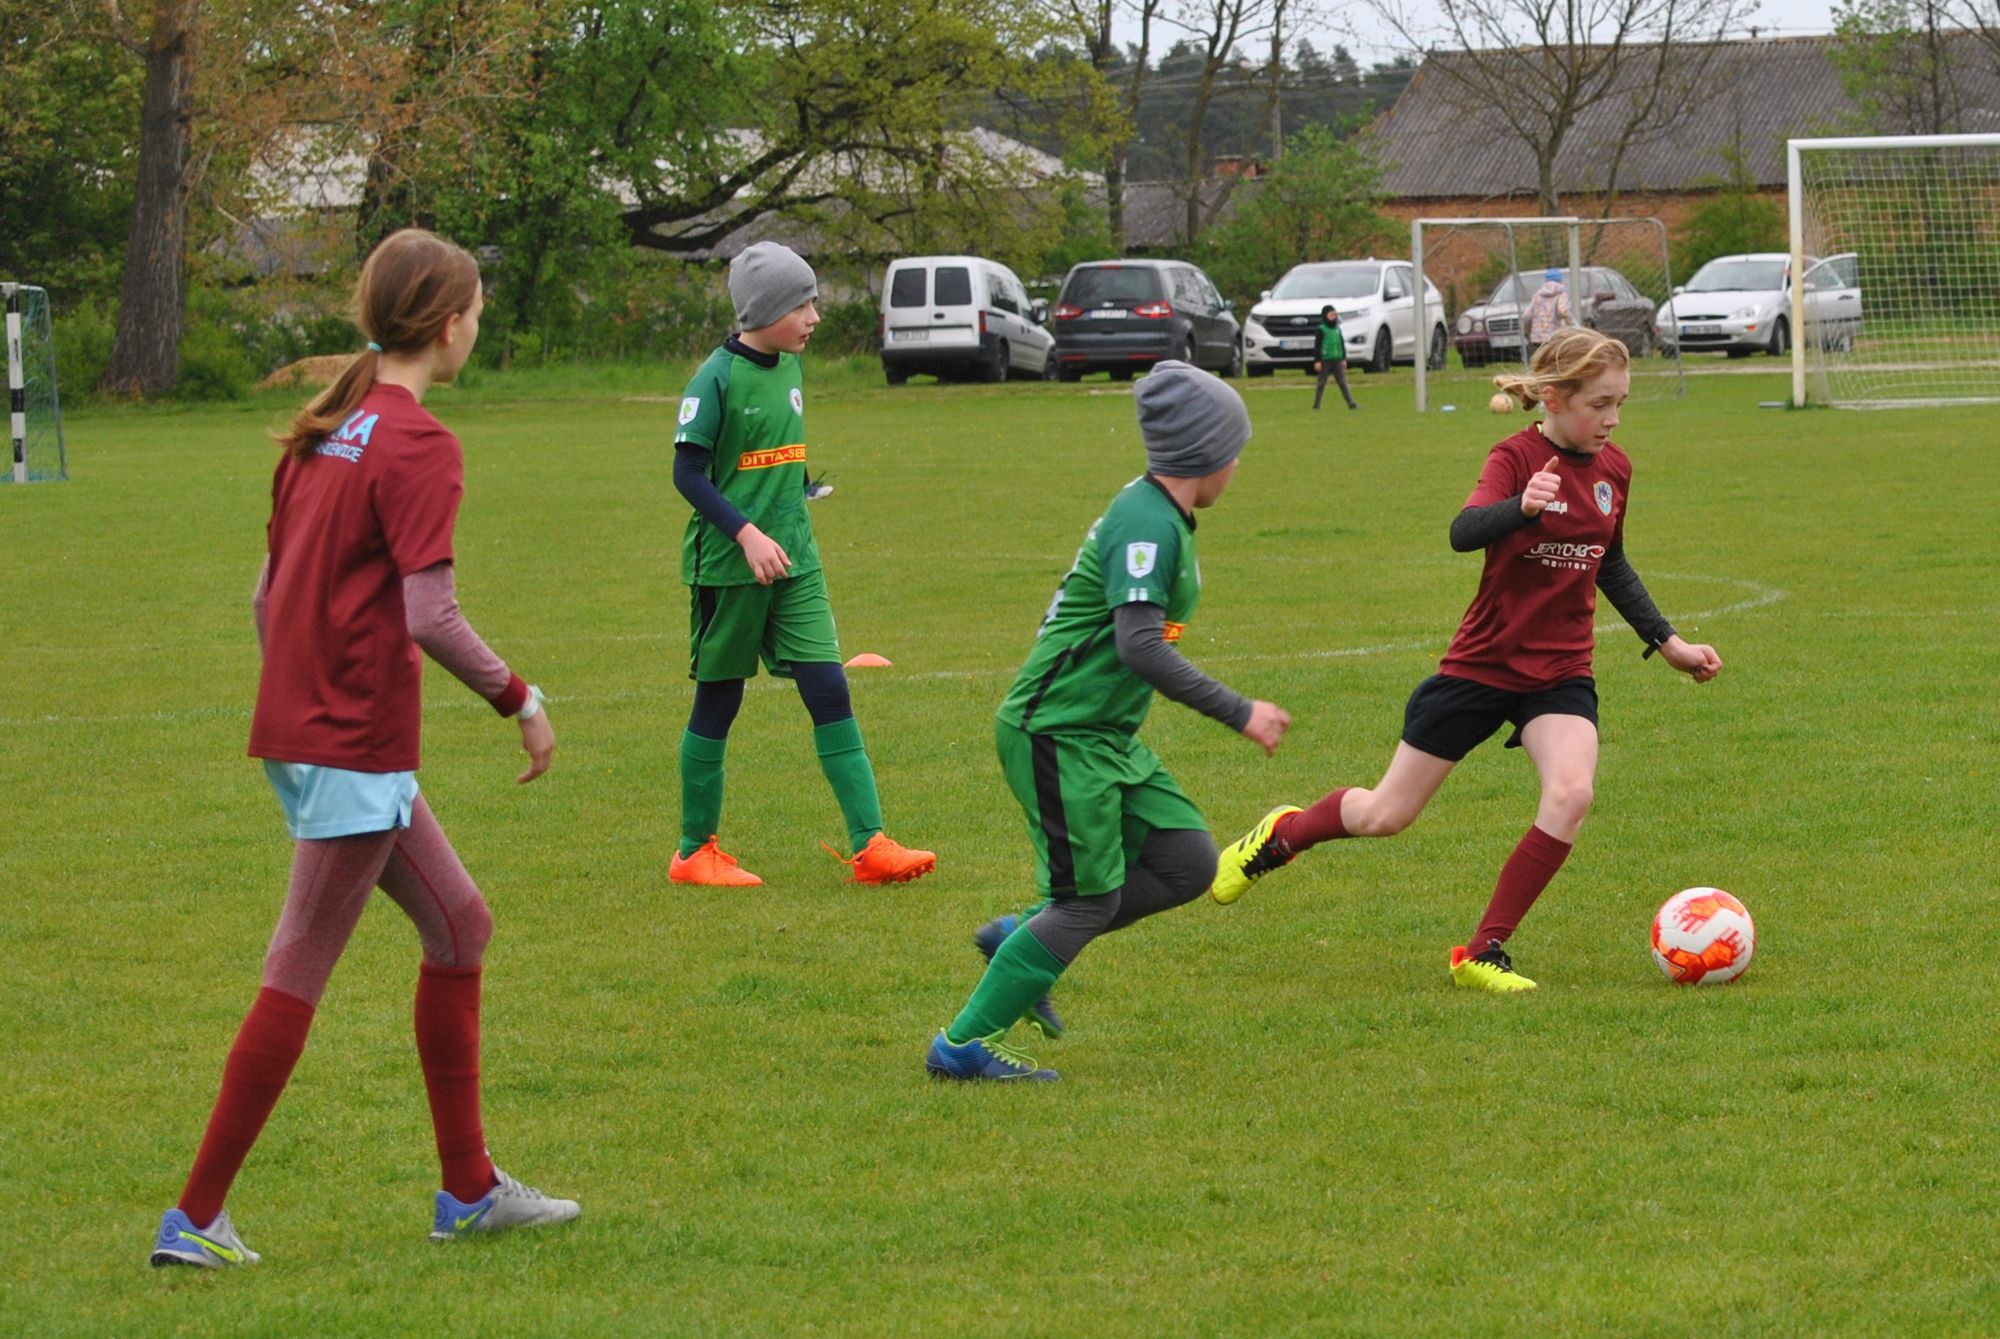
(1758, 596)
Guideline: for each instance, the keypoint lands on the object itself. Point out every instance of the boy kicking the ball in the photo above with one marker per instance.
(1115, 837)
(755, 586)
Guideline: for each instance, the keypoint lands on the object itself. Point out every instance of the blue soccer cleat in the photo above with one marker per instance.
(216, 1246)
(982, 1058)
(508, 1204)
(987, 939)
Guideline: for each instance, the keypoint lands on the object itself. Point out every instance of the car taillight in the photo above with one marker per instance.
(1155, 311)
(982, 323)
(1065, 312)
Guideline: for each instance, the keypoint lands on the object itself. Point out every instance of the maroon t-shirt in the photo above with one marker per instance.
(1530, 625)
(376, 501)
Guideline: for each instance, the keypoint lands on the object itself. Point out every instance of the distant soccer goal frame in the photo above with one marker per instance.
(1572, 227)
(34, 413)
(1895, 246)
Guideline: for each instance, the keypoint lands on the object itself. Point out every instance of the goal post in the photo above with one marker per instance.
(34, 414)
(1616, 271)
(1894, 270)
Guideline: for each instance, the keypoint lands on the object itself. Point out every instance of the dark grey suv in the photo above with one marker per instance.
(1122, 316)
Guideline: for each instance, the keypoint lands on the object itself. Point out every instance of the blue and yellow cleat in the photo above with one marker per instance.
(1250, 857)
(1491, 970)
(982, 1058)
(987, 939)
(508, 1204)
(213, 1247)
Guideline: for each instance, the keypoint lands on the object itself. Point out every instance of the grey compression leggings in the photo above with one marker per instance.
(331, 883)
(1337, 369)
(1175, 866)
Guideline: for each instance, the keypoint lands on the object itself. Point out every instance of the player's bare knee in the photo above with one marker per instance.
(1569, 800)
(1382, 820)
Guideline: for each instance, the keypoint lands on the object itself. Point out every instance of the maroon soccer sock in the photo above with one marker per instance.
(1527, 871)
(260, 1063)
(447, 1020)
(1309, 827)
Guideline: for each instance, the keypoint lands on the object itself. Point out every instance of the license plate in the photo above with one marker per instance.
(1701, 330)
(1505, 341)
(1111, 314)
(1295, 343)
(910, 336)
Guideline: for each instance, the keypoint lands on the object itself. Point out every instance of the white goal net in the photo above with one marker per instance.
(1505, 282)
(34, 415)
(1897, 242)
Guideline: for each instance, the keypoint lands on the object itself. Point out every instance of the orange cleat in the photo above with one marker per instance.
(884, 861)
(712, 866)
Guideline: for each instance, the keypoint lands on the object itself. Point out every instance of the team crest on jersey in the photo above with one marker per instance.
(689, 408)
(1139, 558)
(1603, 495)
(798, 402)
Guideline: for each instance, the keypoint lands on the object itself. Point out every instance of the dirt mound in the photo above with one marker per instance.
(321, 370)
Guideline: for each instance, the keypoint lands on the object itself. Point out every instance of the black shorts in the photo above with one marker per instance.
(1449, 717)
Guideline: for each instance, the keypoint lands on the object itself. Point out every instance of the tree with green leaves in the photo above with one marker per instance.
(1321, 201)
(67, 110)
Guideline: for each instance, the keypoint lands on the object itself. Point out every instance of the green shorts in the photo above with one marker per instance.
(789, 622)
(1090, 801)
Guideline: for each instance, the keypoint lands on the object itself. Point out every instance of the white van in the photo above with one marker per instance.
(962, 316)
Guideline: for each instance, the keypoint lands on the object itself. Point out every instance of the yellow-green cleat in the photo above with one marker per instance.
(1250, 857)
(1491, 970)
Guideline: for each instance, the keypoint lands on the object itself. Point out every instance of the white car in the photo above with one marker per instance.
(962, 316)
(1740, 305)
(1375, 300)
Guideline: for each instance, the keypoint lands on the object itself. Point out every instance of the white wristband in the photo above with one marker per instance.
(532, 707)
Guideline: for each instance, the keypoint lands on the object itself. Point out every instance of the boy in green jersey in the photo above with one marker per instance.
(753, 572)
(1332, 360)
(1115, 838)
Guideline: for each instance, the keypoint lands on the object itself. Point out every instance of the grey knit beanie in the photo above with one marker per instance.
(1193, 423)
(766, 281)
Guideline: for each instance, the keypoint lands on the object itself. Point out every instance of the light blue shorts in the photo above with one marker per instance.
(321, 802)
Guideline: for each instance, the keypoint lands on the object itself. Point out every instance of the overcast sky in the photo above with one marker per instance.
(1356, 26)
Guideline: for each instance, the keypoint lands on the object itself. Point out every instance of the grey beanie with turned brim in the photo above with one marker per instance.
(1193, 423)
(766, 281)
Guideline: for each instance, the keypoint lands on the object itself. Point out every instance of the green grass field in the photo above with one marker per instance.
(1278, 1118)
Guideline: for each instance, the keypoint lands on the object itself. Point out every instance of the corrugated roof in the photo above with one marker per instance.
(1443, 142)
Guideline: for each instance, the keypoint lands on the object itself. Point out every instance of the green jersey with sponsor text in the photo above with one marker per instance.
(1141, 549)
(751, 418)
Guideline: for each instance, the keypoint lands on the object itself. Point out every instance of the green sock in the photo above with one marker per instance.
(701, 789)
(1022, 971)
(852, 777)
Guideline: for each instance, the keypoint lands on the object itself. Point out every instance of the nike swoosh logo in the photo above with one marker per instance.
(460, 1224)
(228, 1253)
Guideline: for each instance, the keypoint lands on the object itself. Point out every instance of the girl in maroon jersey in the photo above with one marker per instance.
(357, 578)
(1549, 511)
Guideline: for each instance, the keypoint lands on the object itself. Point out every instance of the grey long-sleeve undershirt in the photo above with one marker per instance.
(1478, 527)
(1139, 630)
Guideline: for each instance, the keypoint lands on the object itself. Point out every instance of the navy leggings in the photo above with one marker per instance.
(822, 687)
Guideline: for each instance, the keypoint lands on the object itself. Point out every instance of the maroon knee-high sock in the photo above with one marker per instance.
(268, 1044)
(1527, 871)
(447, 1019)
(1309, 827)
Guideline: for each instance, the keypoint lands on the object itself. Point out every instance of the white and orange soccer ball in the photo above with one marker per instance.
(1703, 937)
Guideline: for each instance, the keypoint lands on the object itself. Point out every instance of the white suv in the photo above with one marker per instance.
(1376, 303)
(962, 316)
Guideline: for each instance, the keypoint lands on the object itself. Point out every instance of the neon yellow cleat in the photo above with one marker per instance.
(1491, 971)
(1250, 857)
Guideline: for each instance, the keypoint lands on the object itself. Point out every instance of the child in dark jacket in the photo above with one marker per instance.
(1332, 359)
